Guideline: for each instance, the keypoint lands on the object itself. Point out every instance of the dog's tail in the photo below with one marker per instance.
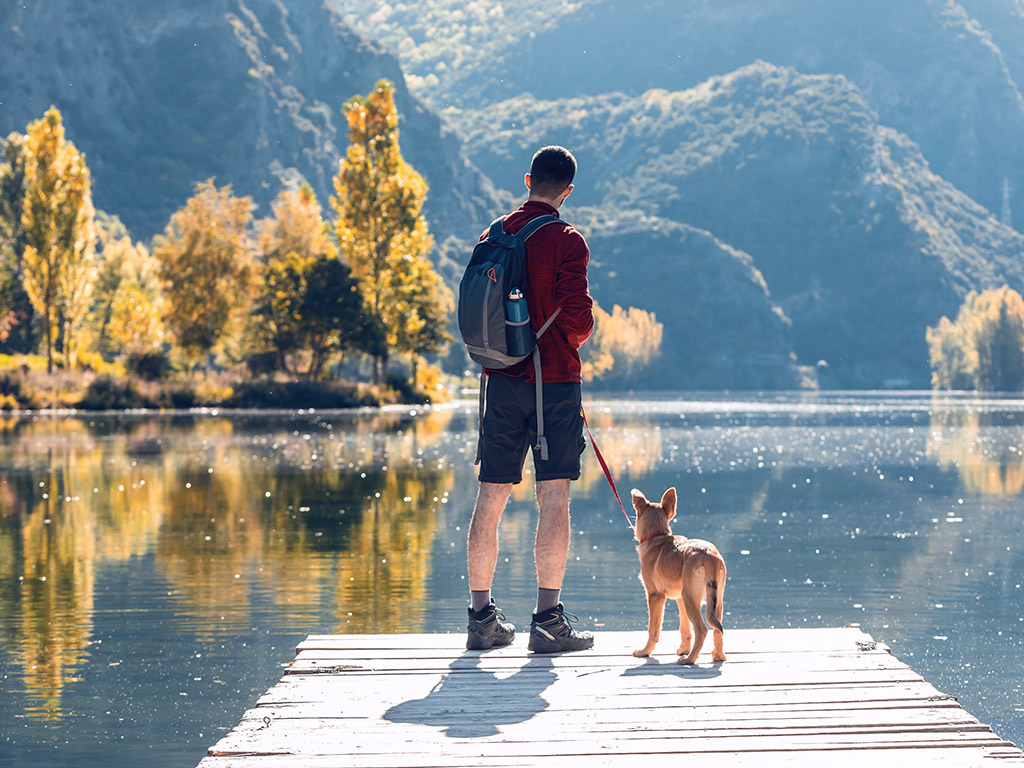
(713, 599)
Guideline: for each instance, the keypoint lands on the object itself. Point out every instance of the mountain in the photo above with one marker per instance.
(163, 95)
(721, 328)
(859, 242)
(948, 74)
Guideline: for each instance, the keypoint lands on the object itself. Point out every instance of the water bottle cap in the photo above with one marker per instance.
(515, 294)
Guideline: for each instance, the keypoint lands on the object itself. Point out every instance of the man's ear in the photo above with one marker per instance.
(640, 502)
(568, 191)
(668, 502)
(526, 181)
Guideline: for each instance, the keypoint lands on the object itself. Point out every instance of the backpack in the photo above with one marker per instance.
(498, 265)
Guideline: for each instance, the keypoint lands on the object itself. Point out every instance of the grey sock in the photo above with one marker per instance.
(479, 599)
(547, 598)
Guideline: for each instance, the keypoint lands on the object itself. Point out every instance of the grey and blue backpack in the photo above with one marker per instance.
(497, 266)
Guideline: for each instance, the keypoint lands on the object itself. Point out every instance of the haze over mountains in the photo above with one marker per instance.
(796, 188)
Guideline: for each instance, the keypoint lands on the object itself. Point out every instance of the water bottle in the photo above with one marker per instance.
(518, 333)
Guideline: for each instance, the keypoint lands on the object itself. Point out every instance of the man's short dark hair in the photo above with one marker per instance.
(552, 170)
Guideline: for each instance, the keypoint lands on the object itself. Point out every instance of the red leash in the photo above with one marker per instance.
(607, 472)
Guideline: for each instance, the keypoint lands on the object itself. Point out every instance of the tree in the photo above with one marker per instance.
(334, 314)
(207, 267)
(425, 305)
(126, 312)
(57, 220)
(289, 245)
(984, 348)
(623, 344)
(380, 229)
(15, 307)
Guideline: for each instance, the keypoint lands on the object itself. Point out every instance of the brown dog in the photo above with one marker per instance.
(685, 570)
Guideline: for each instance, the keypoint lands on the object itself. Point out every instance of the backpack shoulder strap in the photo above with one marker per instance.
(496, 229)
(534, 224)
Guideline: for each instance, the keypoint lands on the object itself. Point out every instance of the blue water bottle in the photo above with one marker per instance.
(518, 333)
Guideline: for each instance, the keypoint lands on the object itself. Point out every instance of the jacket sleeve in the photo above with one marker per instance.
(572, 293)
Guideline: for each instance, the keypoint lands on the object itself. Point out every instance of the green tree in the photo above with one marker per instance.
(380, 230)
(15, 307)
(289, 245)
(207, 267)
(984, 348)
(57, 220)
(334, 314)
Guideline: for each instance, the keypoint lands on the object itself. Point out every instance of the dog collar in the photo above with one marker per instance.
(654, 536)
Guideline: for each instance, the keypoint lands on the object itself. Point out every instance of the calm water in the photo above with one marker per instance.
(156, 572)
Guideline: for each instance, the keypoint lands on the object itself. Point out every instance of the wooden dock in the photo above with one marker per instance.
(796, 697)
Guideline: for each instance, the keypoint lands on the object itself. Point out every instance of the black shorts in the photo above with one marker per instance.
(510, 429)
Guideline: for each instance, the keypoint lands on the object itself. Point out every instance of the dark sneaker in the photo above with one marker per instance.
(488, 629)
(550, 632)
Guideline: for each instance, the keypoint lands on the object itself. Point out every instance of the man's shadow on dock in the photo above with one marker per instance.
(471, 703)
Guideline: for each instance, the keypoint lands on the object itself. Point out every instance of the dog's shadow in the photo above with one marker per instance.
(471, 703)
(653, 666)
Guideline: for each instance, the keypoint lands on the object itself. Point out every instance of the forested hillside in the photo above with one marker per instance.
(162, 96)
(862, 154)
(844, 172)
(948, 79)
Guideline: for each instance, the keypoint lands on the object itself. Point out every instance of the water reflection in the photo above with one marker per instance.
(984, 446)
(157, 570)
(232, 517)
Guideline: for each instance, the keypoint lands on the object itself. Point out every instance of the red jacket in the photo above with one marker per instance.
(556, 268)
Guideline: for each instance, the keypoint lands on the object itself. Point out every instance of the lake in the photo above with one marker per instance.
(157, 571)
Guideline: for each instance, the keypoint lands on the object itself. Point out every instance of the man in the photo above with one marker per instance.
(557, 258)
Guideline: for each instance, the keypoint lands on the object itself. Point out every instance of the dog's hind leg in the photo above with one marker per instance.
(685, 633)
(655, 610)
(692, 605)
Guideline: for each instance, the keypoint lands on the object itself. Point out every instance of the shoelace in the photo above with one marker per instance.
(570, 618)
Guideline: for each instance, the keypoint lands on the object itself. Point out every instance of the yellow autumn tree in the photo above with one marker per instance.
(57, 223)
(125, 319)
(380, 228)
(984, 347)
(623, 344)
(207, 267)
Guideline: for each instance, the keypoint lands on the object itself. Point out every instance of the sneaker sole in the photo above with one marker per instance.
(544, 646)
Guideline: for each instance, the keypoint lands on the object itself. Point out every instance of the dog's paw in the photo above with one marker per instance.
(715, 656)
(642, 653)
(683, 650)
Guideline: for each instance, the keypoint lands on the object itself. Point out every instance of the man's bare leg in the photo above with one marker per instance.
(550, 629)
(482, 547)
(487, 627)
(552, 544)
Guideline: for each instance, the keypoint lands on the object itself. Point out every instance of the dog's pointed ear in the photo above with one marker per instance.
(640, 502)
(668, 502)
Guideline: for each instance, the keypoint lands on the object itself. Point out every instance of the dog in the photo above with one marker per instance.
(683, 569)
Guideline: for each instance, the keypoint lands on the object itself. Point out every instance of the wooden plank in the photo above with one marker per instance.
(972, 757)
(352, 701)
(792, 640)
(612, 710)
(784, 697)
(402, 755)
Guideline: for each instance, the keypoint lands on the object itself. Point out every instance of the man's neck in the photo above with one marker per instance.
(556, 203)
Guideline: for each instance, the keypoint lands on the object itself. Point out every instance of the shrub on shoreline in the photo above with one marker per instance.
(24, 389)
